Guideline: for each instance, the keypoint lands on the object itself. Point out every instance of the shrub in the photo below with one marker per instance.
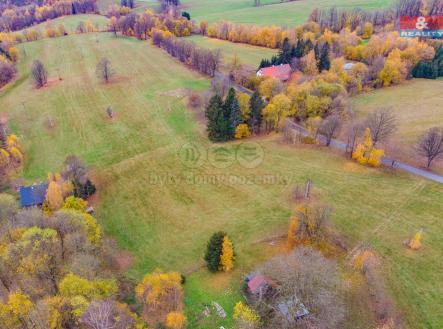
(214, 250)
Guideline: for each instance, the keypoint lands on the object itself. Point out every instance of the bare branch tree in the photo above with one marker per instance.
(382, 124)
(39, 74)
(311, 279)
(353, 133)
(104, 70)
(330, 128)
(107, 314)
(430, 145)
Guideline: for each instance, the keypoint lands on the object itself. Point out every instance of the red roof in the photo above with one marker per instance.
(282, 72)
(257, 282)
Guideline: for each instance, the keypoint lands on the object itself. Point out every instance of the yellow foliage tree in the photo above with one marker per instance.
(309, 64)
(73, 285)
(160, 293)
(415, 242)
(175, 320)
(366, 153)
(270, 87)
(54, 196)
(367, 30)
(74, 203)
(242, 131)
(277, 110)
(227, 255)
(245, 317)
(93, 230)
(16, 310)
(13, 53)
(243, 100)
(292, 231)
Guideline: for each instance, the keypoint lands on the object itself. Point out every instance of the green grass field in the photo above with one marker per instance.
(285, 14)
(249, 55)
(168, 224)
(416, 104)
(71, 22)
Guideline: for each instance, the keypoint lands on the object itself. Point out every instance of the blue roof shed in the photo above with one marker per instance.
(33, 195)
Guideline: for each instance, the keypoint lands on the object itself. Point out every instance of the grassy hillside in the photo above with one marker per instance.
(417, 107)
(416, 104)
(274, 12)
(71, 22)
(247, 54)
(164, 212)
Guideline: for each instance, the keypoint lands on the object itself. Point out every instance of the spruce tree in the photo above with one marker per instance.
(232, 113)
(325, 61)
(285, 54)
(218, 124)
(256, 105)
(298, 49)
(214, 251)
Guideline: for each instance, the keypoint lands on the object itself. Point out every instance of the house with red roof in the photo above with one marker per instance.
(281, 72)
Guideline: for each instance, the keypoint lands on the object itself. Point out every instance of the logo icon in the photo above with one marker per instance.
(191, 155)
(221, 156)
(250, 154)
(421, 23)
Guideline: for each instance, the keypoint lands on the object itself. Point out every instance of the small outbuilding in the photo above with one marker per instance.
(259, 286)
(292, 309)
(34, 195)
(281, 72)
(348, 66)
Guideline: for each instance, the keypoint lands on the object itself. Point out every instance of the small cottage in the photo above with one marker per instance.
(281, 72)
(34, 195)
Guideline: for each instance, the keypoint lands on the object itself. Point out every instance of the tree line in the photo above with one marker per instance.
(203, 60)
(336, 20)
(15, 18)
(143, 25)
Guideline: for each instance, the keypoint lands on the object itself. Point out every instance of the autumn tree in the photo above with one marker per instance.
(276, 111)
(175, 320)
(245, 317)
(415, 242)
(54, 195)
(292, 232)
(160, 294)
(39, 74)
(104, 70)
(214, 251)
(309, 64)
(366, 153)
(270, 87)
(227, 255)
(430, 145)
(242, 131)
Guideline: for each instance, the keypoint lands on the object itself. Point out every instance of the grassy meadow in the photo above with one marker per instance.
(286, 14)
(247, 54)
(163, 212)
(416, 105)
